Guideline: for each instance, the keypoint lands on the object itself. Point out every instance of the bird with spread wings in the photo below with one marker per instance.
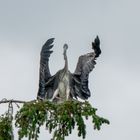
(65, 85)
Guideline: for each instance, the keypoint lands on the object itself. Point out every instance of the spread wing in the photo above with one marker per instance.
(85, 65)
(44, 67)
(80, 78)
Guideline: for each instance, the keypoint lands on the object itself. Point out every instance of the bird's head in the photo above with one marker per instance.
(65, 47)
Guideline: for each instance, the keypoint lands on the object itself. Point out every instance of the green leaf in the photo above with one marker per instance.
(60, 119)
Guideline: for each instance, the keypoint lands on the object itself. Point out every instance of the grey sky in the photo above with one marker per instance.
(114, 83)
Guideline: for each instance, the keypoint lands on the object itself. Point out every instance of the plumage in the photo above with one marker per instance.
(44, 67)
(65, 85)
(96, 46)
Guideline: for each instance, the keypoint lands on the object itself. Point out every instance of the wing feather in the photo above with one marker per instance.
(81, 75)
(44, 67)
(84, 66)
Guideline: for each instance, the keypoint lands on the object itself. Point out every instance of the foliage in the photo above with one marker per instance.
(60, 119)
(6, 130)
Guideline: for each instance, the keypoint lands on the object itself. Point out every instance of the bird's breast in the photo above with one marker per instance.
(64, 83)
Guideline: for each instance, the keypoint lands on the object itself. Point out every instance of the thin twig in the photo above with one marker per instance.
(15, 101)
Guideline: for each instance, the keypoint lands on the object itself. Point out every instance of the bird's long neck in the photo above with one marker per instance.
(65, 57)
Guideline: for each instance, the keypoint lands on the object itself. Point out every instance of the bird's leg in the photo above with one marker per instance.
(55, 94)
(67, 93)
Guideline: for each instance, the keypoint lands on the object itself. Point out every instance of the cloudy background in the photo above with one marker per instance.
(26, 24)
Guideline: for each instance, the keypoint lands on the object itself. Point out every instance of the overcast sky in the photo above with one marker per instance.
(115, 82)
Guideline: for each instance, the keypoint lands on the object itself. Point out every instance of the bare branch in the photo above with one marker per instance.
(14, 101)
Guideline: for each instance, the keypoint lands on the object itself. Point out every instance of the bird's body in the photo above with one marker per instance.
(65, 85)
(62, 91)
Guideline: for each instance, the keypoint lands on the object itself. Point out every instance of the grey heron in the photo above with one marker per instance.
(65, 85)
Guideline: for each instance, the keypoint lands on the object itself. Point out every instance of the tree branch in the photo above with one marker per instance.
(14, 101)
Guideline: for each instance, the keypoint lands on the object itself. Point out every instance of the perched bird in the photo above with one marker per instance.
(65, 85)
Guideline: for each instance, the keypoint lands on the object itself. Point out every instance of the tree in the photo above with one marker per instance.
(60, 119)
